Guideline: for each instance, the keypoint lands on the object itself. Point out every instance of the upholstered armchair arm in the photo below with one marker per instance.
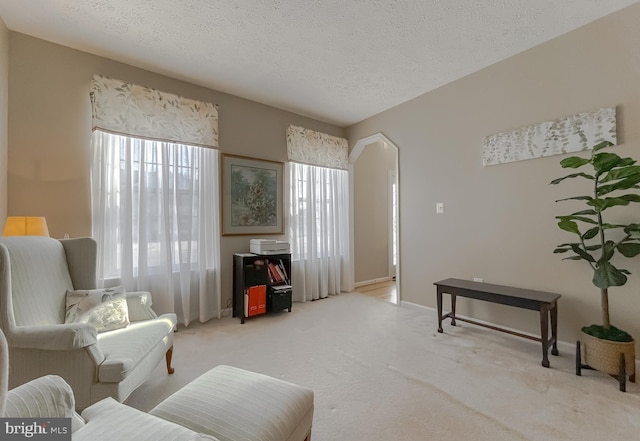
(139, 305)
(45, 397)
(53, 337)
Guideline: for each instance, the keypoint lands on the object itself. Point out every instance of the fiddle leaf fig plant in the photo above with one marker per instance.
(614, 183)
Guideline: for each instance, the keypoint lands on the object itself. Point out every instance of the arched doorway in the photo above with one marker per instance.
(374, 220)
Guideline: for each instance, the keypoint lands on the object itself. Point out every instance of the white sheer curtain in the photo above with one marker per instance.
(156, 220)
(318, 230)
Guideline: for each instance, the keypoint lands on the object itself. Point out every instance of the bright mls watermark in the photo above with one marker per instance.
(40, 429)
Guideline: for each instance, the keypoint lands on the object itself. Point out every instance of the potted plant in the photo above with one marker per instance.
(614, 183)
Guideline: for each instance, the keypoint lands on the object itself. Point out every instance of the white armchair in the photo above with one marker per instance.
(52, 397)
(35, 275)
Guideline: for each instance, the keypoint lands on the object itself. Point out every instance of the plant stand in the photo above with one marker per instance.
(621, 376)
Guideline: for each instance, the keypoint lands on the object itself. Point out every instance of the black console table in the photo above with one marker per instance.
(545, 302)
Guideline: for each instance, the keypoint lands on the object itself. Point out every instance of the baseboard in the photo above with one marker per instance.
(372, 281)
(564, 346)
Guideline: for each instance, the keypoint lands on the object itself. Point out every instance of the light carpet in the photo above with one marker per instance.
(382, 372)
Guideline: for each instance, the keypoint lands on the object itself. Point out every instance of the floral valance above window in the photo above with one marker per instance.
(133, 110)
(315, 148)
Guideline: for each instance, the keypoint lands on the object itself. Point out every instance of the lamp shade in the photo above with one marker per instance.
(26, 226)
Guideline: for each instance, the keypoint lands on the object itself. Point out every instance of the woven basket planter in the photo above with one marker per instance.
(604, 355)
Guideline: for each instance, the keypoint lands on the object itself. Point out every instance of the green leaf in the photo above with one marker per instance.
(576, 198)
(573, 258)
(624, 184)
(598, 204)
(562, 245)
(611, 226)
(626, 162)
(585, 213)
(574, 162)
(633, 230)
(603, 162)
(584, 219)
(570, 226)
(563, 248)
(574, 175)
(629, 249)
(582, 253)
(601, 146)
(607, 275)
(607, 253)
(603, 204)
(590, 234)
(578, 218)
(631, 197)
(620, 173)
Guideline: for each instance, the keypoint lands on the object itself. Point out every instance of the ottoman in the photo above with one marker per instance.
(234, 404)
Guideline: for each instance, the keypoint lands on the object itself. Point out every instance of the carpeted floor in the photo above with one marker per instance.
(382, 372)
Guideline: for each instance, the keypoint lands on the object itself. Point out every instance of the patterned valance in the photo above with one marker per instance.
(315, 148)
(133, 110)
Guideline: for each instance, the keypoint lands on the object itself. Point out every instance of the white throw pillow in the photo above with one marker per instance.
(106, 309)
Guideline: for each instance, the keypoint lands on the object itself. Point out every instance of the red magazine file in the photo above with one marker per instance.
(255, 300)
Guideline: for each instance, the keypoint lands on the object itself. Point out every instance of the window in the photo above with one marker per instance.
(318, 228)
(155, 215)
(315, 203)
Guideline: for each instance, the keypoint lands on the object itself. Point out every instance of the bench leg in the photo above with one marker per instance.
(168, 357)
(439, 302)
(453, 309)
(554, 328)
(544, 335)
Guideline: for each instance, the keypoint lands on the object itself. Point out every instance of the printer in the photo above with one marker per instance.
(269, 246)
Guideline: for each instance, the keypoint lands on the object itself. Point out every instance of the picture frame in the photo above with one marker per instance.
(252, 196)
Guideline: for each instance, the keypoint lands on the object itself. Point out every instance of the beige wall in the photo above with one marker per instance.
(50, 121)
(499, 221)
(372, 211)
(4, 110)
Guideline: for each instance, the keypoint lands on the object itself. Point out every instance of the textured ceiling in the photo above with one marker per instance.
(339, 61)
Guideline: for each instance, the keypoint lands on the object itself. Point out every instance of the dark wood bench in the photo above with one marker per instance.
(545, 302)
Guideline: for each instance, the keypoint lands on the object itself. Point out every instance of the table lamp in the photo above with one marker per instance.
(25, 226)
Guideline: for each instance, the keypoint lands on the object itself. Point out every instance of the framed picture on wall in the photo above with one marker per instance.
(252, 196)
